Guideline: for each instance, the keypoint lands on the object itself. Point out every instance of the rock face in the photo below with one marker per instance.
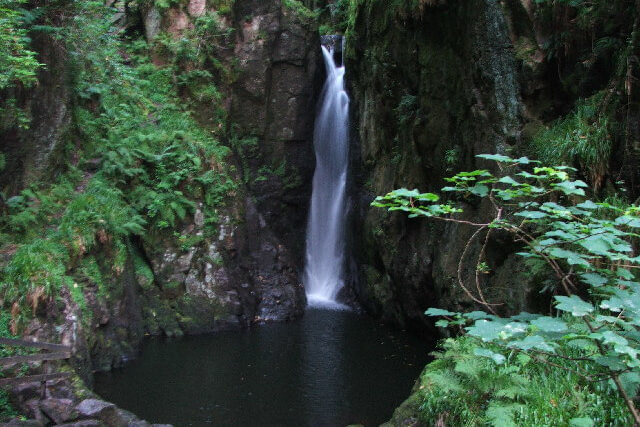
(32, 153)
(273, 106)
(250, 271)
(432, 88)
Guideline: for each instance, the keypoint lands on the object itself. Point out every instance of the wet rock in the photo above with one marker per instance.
(197, 7)
(83, 423)
(24, 423)
(31, 409)
(152, 22)
(125, 418)
(59, 410)
(178, 22)
(26, 391)
(279, 76)
(95, 408)
(33, 153)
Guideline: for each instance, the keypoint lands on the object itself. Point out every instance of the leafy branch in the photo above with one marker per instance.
(587, 245)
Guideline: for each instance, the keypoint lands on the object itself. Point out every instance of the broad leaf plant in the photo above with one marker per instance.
(588, 246)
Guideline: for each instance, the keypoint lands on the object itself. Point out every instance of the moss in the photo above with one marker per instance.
(223, 7)
(144, 274)
(160, 318)
(408, 413)
(299, 9)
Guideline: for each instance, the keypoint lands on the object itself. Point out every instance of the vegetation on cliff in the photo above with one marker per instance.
(576, 104)
(589, 250)
(136, 162)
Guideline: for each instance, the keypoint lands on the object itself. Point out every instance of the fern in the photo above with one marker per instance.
(475, 391)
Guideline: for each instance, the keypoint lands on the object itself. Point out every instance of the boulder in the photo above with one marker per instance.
(59, 410)
(83, 423)
(95, 408)
(24, 423)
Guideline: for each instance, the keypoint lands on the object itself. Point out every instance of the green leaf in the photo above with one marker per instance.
(571, 187)
(574, 305)
(496, 357)
(508, 180)
(612, 362)
(581, 422)
(485, 329)
(594, 279)
(501, 414)
(610, 337)
(630, 382)
(531, 214)
(532, 342)
(496, 157)
(428, 197)
(479, 190)
(525, 316)
(438, 312)
(581, 343)
(549, 324)
(629, 221)
(573, 258)
(476, 315)
(625, 274)
(596, 244)
(606, 319)
(525, 161)
(403, 192)
(588, 205)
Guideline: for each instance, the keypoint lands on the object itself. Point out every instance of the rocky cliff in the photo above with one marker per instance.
(273, 54)
(433, 86)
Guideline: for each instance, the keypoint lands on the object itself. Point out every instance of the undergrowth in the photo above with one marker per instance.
(582, 139)
(139, 163)
(462, 388)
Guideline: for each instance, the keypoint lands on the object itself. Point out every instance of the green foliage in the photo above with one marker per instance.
(144, 274)
(165, 4)
(37, 268)
(223, 7)
(299, 9)
(606, 26)
(335, 16)
(143, 165)
(18, 64)
(193, 56)
(588, 246)
(406, 109)
(511, 390)
(7, 411)
(582, 139)
(89, 270)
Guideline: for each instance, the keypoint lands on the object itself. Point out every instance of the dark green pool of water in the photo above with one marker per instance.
(332, 368)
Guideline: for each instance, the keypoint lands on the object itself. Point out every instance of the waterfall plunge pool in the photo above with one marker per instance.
(331, 368)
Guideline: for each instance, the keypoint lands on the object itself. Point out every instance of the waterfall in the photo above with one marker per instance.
(325, 255)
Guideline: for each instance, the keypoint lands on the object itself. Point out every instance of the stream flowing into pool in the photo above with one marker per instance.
(332, 368)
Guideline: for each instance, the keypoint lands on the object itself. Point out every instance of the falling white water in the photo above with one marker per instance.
(325, 234)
